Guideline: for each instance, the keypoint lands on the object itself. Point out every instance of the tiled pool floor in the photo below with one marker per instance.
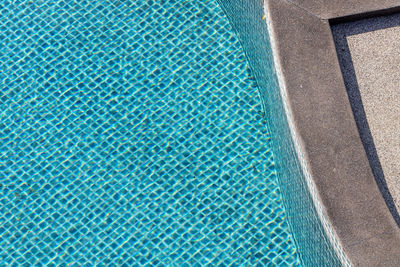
(131, 134)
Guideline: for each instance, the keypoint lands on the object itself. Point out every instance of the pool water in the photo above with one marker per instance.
(131, 133)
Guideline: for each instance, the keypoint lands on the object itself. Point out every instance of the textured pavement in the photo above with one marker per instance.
(369, 52)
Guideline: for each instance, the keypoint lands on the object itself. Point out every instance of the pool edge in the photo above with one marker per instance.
(327, 132)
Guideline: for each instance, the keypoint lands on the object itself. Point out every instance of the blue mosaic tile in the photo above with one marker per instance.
(132, 134)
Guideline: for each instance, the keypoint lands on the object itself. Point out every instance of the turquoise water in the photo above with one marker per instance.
(131, 133)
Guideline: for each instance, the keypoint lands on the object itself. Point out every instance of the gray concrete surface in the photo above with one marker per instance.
(369, 54)
(327, 132)
(334, 9)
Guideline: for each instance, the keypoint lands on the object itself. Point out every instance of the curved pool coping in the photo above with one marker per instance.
(325, 128)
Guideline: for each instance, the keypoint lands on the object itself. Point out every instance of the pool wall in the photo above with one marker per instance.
(315, 249)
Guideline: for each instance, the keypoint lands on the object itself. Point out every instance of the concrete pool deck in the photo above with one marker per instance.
(326, 128)
(369, 56)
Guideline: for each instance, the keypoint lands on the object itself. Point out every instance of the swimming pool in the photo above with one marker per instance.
(133, 133)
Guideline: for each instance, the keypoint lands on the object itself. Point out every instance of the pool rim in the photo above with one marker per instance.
(325, 126)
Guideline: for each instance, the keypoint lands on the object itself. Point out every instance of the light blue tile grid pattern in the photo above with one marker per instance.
(131, 134)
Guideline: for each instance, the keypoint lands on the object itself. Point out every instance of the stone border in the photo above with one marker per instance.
(325, 127)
